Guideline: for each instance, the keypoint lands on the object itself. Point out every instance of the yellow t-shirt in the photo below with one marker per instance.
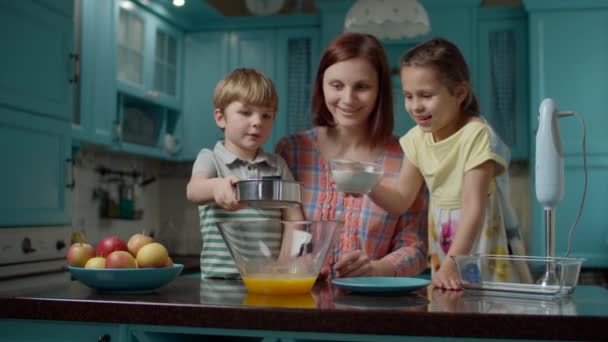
(444, 163)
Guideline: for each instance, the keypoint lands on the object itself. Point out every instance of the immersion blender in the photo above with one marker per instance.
(549, 177)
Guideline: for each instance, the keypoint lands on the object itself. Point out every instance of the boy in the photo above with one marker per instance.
(245, 105)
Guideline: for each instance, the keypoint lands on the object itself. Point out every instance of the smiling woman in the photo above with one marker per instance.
(353, 115)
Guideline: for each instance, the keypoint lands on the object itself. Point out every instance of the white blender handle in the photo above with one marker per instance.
(549, 157)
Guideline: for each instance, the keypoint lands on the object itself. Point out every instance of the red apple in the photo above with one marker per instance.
(152, 255)
(137, 241)
(79, 253)
(110, 244)
(96, 262)
(120, 259)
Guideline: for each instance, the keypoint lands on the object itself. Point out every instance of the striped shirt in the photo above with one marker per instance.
(216, 260)
(401, 240)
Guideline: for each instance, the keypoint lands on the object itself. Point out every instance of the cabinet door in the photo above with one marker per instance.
(297, 55)
(569, 50)
(253, 49)
(148, 56)
(503, 80)
(35, 65)
(96, 118)
(25, 331)
(131, 45)
(167, 59)
(198, 125)
(35, 171)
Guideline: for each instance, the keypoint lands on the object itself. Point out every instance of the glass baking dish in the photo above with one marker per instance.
(518, 275)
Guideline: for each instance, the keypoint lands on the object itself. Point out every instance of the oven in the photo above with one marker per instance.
(33, 257)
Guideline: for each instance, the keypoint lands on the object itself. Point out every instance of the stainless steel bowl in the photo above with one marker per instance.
(269, 193)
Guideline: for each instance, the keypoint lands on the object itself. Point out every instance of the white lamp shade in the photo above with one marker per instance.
(388, 19)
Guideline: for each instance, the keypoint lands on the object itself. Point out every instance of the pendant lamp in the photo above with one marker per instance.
(388, 19)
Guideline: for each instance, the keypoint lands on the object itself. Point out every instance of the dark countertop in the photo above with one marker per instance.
(191, 302)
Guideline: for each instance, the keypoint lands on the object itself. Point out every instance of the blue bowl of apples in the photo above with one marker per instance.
(141, 265)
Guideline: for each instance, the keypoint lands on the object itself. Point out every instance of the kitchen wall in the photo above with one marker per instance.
(167, 213)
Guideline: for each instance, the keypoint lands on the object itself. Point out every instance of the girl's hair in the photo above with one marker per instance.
(357, 45)
(246, 85)
(452, 69)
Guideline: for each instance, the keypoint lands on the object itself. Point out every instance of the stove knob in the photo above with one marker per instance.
(59, 245)
(26, 246)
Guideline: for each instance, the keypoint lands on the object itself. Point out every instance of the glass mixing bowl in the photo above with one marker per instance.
(279, 257)
(355, 177)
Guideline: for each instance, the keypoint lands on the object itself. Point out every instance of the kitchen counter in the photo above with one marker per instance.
(191, 302)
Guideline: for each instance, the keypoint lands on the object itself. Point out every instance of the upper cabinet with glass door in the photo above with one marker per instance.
(148, 56)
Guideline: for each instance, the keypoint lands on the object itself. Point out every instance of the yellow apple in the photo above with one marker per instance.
(152, 255)
(120, 259)
(169, 262)
(137, 241)
(96, 262)
(79, 253)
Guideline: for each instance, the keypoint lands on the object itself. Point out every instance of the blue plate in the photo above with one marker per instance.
(126, 280)
(380, 284)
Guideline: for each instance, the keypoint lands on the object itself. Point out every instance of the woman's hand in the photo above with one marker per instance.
(358, 264)
(224, 194)
(447, 275)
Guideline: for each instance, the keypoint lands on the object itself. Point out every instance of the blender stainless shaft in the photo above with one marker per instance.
(549, 277)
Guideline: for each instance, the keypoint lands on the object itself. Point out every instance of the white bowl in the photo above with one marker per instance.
(355, 177)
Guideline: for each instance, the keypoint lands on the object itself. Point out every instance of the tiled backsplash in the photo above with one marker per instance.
(166, 211)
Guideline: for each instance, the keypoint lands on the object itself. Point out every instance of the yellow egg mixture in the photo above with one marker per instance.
(270, 283)
(283, 301)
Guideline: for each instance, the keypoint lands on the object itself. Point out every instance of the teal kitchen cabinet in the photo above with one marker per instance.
(568, 54)
(287, 55)
(206, 62)
(94, 119)
(148, 73)
(502, 75)
(27, 330)
(35, 112)
(148, 56)
(36, 63)
(35, 172)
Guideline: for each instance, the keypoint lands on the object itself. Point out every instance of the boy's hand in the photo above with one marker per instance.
(447, 275)
(224, 194)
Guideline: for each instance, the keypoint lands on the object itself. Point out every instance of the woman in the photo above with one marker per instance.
(353, 117)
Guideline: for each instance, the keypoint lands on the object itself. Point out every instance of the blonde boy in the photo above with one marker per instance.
(245, 104)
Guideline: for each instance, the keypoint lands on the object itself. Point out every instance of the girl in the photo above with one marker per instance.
(451, 150)
(353, 114)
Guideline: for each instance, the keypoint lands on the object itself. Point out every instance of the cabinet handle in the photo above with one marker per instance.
(117, 130)
(104, 338)
(72, 182)
(75, 58)
(152, 93)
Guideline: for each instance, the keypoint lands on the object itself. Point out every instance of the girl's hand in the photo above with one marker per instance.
(354, 264)
(224, 194)
(447, 276)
